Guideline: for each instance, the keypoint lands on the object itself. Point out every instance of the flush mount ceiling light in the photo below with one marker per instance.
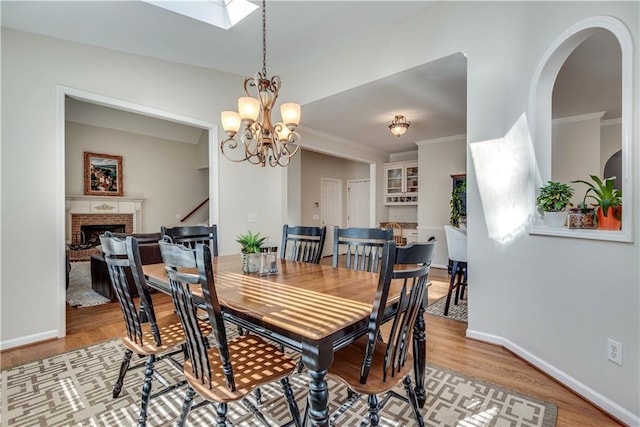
(399, 125)
(262, 142)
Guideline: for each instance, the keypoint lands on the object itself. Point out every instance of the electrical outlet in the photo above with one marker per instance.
(252, 217)
(614, 351)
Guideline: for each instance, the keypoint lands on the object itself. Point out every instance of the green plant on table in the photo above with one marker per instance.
(603, 193)
(457, 203)
(250, 242)
(554, 197)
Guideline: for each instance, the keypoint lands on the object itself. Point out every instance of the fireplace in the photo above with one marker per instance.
(91, 233)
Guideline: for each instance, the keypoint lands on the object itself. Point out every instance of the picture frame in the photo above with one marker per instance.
(102, 174)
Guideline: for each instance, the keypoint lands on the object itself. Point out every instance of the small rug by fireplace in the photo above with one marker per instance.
(79, 293)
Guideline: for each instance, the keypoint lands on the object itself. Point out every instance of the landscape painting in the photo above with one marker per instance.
(102, 175)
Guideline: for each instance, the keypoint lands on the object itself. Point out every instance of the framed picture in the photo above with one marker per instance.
(102, 175)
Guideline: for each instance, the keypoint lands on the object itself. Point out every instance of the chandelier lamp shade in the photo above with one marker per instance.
(399, 125)
(260, 141)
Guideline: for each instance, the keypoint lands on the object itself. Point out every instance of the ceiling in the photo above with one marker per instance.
(431, 96)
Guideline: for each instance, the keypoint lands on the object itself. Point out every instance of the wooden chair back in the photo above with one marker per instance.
(120, 256)
(410, 264)
(300, 243)
(364, 247)
(397, 233)
(186, 267)
(191, 235)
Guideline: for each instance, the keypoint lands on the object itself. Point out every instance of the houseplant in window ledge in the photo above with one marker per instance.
(552, 201)
(250, 247)
(608, 201)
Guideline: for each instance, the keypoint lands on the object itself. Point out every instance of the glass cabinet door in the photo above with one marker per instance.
(394, 181)
(411, 176)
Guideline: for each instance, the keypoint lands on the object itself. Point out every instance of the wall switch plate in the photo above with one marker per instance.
(614, 351)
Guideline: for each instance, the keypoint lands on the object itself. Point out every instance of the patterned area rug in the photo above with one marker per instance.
(79, 293)
(456, 312)
(74, 389)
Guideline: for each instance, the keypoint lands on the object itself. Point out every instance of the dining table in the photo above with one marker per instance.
(310, 308)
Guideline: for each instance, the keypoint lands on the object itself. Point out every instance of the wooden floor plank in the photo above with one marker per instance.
(447, 346)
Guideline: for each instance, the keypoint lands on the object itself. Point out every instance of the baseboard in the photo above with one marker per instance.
(29, 339)
(604, 403)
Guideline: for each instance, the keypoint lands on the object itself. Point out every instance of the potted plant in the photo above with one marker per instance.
(552, 201)
(457, 216)
(582, 216)
(608, 201)
(250, 247)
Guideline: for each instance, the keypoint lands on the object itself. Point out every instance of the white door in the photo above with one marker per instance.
(358, 203)
(330, 209)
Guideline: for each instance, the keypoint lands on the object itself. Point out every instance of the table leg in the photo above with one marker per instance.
(318, 398)
(420, 354)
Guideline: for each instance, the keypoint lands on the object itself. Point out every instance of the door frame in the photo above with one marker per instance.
(329, 238)
(61, 93)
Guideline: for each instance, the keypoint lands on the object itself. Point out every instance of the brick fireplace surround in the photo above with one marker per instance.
(91, 210)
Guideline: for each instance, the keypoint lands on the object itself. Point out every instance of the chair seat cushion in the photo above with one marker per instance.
(347, 363)
(255, 362)
(171, 334)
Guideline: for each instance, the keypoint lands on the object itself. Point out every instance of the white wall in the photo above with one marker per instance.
(438, 160)
(576, 152)
(33, 67)
(163, 192)
(549, 299)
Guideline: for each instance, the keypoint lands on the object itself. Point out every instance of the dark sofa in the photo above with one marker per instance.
(149, 254)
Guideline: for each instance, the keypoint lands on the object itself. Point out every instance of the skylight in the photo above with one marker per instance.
(221, 13)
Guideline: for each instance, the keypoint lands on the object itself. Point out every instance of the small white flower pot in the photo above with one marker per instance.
(554, 219)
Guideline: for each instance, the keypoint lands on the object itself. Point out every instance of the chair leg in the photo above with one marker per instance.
(374, 417)
(186, 406)
(117, 387)
(146, 391)
(412, 399)
(291, 402)
(454, 273)
(221, 411)
(258, 395)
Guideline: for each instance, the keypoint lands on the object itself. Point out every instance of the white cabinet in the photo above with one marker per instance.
(411, 234)
(401, 183)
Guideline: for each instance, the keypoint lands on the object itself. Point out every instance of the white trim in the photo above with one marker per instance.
(320, 149)
(460, 137)
(599, 400)
(579, 118)
(611, 122)
(28, 339)
(61, 93)
(540, 92)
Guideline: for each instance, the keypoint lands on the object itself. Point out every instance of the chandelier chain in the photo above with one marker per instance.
(264, 38)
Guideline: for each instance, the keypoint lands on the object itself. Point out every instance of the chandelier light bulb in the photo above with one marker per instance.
(230, 122)
(290, 113)
(248, 108)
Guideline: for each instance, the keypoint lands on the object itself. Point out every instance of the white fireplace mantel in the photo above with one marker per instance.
(104, 205)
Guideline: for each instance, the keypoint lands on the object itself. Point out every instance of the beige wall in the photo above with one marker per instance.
(157, 170)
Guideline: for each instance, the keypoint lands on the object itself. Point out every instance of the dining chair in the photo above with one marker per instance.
(362, 246)
(231, 369)
(157, 338)
(379, 360)
(457, 248)
(302, 243)
(190, 235)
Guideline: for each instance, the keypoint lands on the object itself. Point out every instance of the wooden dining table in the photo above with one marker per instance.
(310, 308)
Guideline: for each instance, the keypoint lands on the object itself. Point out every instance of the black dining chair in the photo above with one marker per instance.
(226, 370)
(457, 250)
(361, 247)
(157, 338)
(190, 235)
(378, 361)
(302, 243)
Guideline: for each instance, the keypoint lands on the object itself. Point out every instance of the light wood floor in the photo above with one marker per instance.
(446, 346)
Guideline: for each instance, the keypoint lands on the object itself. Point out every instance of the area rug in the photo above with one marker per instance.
(456, 312)
(79, 292)
(74, 389)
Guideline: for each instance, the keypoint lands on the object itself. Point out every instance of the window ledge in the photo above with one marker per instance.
(610, 235)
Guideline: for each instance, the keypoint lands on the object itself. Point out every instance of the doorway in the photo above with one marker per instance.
(330, 209)
(358, 206)
(123, 106)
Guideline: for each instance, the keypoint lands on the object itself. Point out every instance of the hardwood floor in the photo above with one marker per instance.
(447, 346)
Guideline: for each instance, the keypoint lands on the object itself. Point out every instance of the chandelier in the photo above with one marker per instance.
(399, 125)
(262, 142)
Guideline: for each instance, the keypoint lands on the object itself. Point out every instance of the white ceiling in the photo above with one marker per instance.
(431, 96)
